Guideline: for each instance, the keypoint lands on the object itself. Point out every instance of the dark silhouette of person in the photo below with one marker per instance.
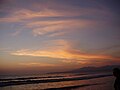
(116, 73)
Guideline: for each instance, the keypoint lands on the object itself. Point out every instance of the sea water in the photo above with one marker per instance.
(63, 81)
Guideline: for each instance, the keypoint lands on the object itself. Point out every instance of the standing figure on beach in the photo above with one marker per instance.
(116, 73)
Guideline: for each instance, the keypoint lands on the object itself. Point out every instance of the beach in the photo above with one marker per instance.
(59, 82)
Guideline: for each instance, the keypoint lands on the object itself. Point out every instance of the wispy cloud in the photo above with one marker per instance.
(16, 33)
(64, 50)
(37, 64)
(64, 54)
(33, 19)
(44, 9)
(25, 14)
(44, 27)
(41, 27)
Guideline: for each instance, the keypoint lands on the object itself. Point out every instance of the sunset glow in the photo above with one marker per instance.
(46, 35)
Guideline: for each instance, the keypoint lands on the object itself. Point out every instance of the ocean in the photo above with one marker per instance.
(63, 81)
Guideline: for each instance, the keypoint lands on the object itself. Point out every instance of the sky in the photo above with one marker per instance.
(38, 36)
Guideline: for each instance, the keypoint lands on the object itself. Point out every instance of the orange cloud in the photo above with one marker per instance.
(62, 49)
(37, 64)
(63, 54)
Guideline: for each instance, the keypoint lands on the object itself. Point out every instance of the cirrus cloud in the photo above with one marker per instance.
(64, 54)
